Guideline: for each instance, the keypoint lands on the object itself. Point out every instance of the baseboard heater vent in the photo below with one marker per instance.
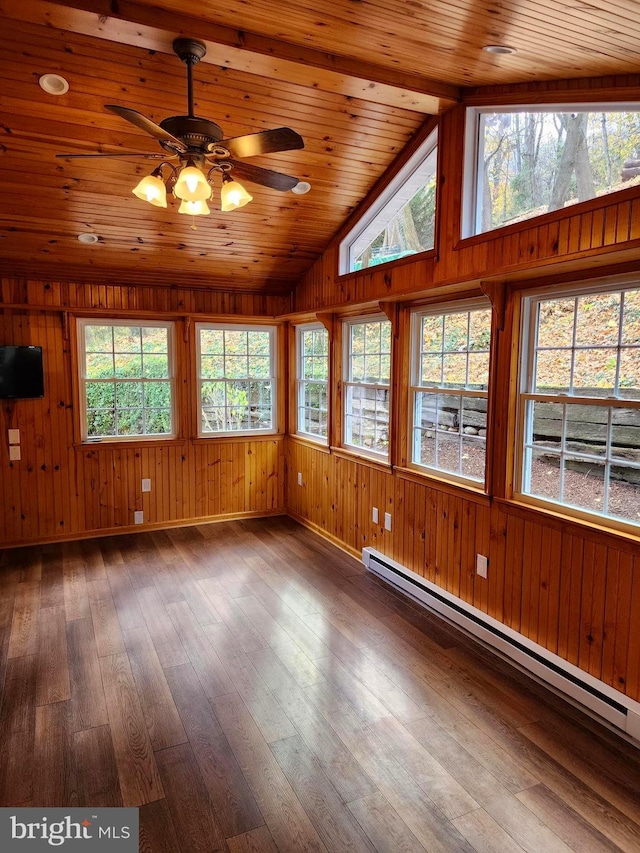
(590, 692)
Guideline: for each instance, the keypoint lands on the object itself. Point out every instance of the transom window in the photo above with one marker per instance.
(402, 220)
(580, 401)
(367, 376)
(126, 379)
(237, 379)
(312, 344)
(450, 376)
(523, 161)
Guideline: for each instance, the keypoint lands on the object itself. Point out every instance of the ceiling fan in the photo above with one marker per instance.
(198, 145)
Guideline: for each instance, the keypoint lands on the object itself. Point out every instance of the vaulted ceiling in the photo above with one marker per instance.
(356, 78)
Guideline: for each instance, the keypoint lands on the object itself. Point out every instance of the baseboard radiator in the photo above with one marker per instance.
(578, 686)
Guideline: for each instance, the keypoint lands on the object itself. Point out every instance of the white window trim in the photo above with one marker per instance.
(471, 198)
(368, 219)
(81, 324)
(347, 383)
(300, 382)
(455, 307)
(273, 378)
(528, 334)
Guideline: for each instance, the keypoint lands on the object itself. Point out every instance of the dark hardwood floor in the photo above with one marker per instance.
(252, 688)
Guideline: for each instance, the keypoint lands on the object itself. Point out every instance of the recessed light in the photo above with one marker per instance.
(88, 239)
(301, 188)
(53, 84)
(499, 48)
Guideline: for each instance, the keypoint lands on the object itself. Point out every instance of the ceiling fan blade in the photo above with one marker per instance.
(150, 127)
(121, 154)
(266, 142)
(265, 177)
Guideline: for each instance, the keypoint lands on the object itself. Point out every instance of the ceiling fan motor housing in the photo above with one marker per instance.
(196, 133)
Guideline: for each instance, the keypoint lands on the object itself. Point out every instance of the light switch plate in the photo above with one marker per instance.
(374, 514)
(14, 436)
(138, 517)
(14, 452)
(482, 564)
(387, 521)
(299, 478)
(146, 485)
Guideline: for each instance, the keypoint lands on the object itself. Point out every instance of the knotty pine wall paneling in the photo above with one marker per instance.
(60, 489)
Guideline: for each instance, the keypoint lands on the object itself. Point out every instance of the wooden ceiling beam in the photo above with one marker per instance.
(155, 29)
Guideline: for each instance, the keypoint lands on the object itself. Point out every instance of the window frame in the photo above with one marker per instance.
(300, 382)
(528, 336)
(472, 198)
(384, 199)
(463, 306)
(347, 382)
(273, 378)
(80, 374)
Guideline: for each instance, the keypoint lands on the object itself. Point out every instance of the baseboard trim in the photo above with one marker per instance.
(315, 528)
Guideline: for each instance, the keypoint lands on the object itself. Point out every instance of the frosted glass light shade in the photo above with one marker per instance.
(192, 185)
(233, 195)
(152, 189)
(194, 208)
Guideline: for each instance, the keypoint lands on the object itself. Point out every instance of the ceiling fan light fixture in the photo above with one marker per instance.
(192, 184)
(152, 189)
(194, 208)
(233, 195)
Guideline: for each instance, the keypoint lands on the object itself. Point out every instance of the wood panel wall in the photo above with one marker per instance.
(60, 489)
(574, 591)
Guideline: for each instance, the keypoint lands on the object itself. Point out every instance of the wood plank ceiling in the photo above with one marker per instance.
(355, 79)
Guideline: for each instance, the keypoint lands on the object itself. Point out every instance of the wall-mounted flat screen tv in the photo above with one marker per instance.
(21, 372)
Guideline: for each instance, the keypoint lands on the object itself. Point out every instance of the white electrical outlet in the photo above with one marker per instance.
(138, 517)
(482, 564)
(146, 485)
(14, 452)
(374, 514)
(387, 521)
(299, 478)
(14, 436)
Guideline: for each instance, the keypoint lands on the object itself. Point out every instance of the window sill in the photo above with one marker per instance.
(362, 458)
(460, 490)
(237, 436)
(321, 446)
(569, 524)
(127, 444)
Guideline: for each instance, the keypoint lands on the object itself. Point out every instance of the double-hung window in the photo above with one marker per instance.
(366, 380)
(236, 378)
(312, 351)
(126, 379)
(450, 375)
(580, 401)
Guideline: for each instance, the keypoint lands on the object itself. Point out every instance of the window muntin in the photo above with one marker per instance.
(402, 221)
(126, 379)
(236, 379)
(366, 385)
(450, 377)
(580, 402)
(524, 161)
(312, 346)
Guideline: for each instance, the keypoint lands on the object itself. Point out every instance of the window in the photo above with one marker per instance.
(312, 380)
(236, 376)
(450, 375)
(402, 221)
(580, 401)
(126, 379)
(524, 161)
(366, 385)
